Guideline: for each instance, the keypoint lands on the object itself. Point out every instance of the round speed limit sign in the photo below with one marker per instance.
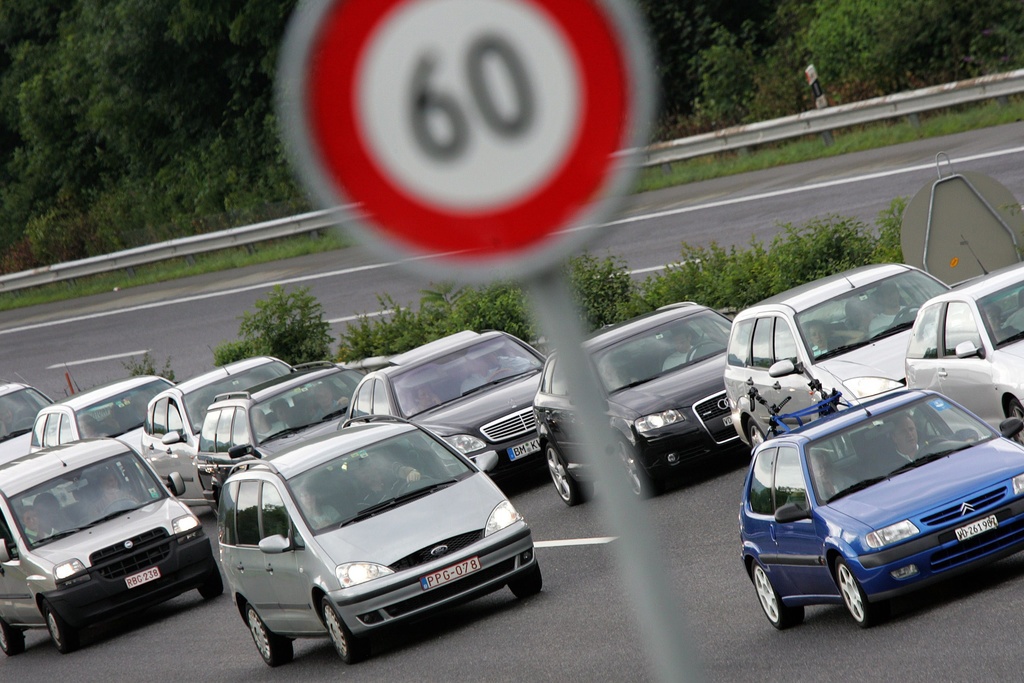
(476, 131)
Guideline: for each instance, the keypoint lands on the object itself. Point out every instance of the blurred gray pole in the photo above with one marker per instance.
(643, 570)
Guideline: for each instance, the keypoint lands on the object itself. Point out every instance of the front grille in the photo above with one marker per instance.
(147, 549)
(135, 542)
(452, 589)
(710, 413)
(511, 426)
(1003, 536)
(421, 556)
(977, 504)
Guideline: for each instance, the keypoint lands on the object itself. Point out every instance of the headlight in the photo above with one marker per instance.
(863, 387)
(66, 569)
(1018, 484)
(183, 524)
(649, 423)
(891, 534)
(465, 443)
(355, 573)
(502, 516)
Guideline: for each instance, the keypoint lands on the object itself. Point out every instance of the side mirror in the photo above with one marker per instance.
(487, 461)
(1011, 427)
(175, 483)
(236, 452)
(171, 438)
(275, 545)
(966, 349)
(783, 368)
(791, 512)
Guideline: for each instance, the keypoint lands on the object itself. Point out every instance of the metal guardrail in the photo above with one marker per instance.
(842, 116)
(176, 248)
(728, 139)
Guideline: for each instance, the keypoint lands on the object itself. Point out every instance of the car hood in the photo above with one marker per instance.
(1015, 349)
(883, 358)
(675, 389)
(280, 443)
(940, 483)
(391, 535)
(15, 447)
(81, 545)
(468, 413)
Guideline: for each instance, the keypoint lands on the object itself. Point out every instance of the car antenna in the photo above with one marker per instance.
(67, 376)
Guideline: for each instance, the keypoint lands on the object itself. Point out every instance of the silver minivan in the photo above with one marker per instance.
(88, 534)
(848, 331)
(347, 534)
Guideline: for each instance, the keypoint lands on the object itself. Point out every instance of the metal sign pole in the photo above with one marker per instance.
(658, 608)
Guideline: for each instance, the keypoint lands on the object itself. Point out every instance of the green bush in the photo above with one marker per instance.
(290, 326)
(145, 366)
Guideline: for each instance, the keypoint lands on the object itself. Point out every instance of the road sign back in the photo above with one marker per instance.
(472, 130)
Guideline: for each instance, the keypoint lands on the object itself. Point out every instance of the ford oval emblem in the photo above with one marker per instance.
(439, 551)
(128, 545)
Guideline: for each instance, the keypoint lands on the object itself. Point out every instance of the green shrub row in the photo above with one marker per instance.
(291, 325)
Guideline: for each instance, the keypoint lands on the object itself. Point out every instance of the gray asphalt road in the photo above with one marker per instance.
(581, 627)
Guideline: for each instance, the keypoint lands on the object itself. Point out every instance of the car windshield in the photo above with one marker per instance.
(466, 371)
(885, 445)
(320, 399)
(198, 400)
(358, 484)
(1003, 313)
(84, 497)
(659, 350)
(123, 412)
(18, 412)
(855, 318)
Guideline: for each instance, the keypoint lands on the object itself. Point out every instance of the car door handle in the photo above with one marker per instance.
(270, 568)
(240, 567)
(942, 372)
(771, 532)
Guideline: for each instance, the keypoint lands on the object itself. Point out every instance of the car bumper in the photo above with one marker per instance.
(664, 455)
(105, 595)
(401, 596)
(509, 465)
(939, 555)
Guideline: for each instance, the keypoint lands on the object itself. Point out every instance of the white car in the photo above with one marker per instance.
(848, 331)
(969, 345)
(116, 409)
(19, 405)
(170, 434)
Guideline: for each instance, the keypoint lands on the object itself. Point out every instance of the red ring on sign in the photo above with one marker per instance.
(518, 225)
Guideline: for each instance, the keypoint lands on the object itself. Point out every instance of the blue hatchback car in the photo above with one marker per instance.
(877, 501)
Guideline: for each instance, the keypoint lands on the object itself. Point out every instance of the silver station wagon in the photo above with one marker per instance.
(88, 534)
(347, 534)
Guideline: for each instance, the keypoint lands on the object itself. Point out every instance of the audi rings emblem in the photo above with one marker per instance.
(723, 403)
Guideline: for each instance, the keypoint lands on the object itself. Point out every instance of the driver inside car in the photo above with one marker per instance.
(380, 478)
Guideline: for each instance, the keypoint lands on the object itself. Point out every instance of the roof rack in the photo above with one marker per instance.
(376, 418)
(231, 394)
(314, 364)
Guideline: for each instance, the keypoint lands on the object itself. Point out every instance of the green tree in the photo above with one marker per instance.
(288, 325)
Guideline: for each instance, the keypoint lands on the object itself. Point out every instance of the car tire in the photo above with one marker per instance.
(63, 636)
(529, 583)
(640, 482)
(755, 437)
(566, 487)
(12, 640)
(865, 614)
(779, 615)
(275, 649)
(1015, 409)
(350, 648)
(213, 586)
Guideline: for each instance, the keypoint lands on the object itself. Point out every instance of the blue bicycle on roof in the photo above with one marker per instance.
(829, 403)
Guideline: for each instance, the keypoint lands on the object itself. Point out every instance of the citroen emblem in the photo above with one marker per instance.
(439, 551)
(966, 509)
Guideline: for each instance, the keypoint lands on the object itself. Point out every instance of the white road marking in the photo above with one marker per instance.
(99, 359)
(622, 221)
(574, 541)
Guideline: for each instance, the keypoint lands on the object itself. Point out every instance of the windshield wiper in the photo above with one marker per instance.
(839, 350)
(380, 507)
(284, 432)
(859, 486)
(331, 416)
(1012, 338)
(17, 432)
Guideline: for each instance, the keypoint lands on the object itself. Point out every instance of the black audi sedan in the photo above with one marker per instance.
(661, 374)
(474, 390)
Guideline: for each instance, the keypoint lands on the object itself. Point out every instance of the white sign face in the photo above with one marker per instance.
(502, 94)
(472, 131)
